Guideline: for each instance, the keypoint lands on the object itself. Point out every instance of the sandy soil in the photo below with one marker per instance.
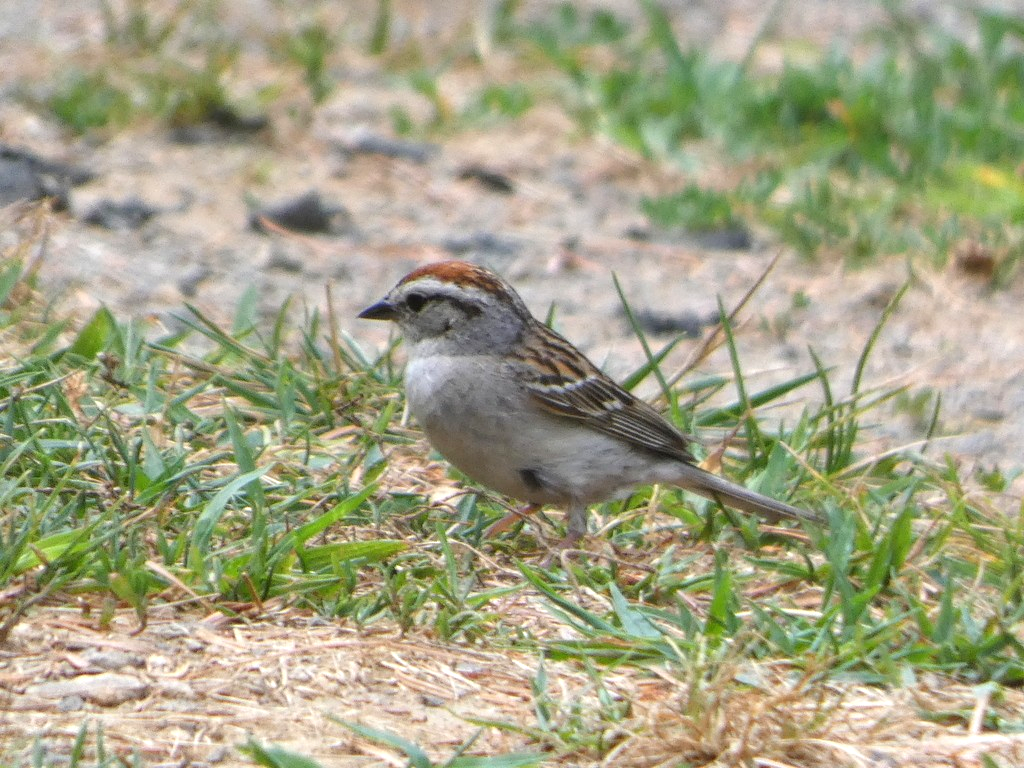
(186, 689)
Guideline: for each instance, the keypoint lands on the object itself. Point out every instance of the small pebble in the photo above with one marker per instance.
(686, 322)
(25, 175)
(470, 668)
(976, 259)
(480, 242)
(638, 232)
(735, 238)
(222, 124)
(176, 689)
(219, 755)
(111, 659)
(285, 262)
(190, 282)
(44, 167)
(306, 213)
(71, 704)
(988, 413)
(18, 182)
(130, 213)
(107, 689)
(364, 141)
(492, 180)
(231, 119)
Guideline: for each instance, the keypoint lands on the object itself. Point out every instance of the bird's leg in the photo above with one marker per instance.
(577, 527)
(575, 530)
(506, 522)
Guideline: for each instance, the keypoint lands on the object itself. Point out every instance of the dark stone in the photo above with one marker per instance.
(18, 182)
(366, 142)
(285, 262)
(688, 323)
(189, 284)
(734, 238)
(222, 123)
(130, 213)
(27, 176)
(480, 242)
(306, 213)
(492, 180)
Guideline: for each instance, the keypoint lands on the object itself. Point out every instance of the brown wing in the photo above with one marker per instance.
(568, 384)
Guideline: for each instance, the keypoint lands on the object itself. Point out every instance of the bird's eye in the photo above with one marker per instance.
(416, 301)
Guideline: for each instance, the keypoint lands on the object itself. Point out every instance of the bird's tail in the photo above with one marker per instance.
(736, 496)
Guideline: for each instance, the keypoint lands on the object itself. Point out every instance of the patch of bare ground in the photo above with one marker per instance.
(206, 684)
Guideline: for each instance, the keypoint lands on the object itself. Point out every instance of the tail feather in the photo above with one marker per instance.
(736, 496)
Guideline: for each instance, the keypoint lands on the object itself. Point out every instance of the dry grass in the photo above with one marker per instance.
(282, 676)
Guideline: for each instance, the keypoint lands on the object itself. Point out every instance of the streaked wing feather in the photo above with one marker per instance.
(582, 392)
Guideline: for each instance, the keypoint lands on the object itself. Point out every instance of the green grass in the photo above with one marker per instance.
(244, 461)
(310, 48)
(171, 65)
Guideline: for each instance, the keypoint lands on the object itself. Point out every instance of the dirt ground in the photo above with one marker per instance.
(568, 225)
(191, 688)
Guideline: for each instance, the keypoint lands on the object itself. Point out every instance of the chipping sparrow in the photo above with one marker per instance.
(519, 409)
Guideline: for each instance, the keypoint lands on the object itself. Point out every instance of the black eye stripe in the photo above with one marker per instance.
(416, 301)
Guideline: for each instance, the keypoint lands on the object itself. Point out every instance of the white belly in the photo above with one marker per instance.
(489, 429)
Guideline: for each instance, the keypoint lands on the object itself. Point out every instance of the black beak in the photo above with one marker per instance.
(382, 310)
